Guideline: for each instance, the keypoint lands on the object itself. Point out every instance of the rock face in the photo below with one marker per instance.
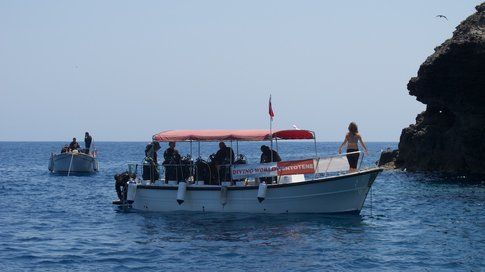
(387, 159)
(449, 136)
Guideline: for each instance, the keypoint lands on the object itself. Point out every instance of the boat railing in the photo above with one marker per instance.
(186, 171)
(197, 171)
(336, 164)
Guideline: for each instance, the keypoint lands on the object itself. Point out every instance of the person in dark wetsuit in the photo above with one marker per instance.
(172, 163)
(74, 145)
(224, 156)
(121, 185)
(150, 165)
(352, 139)
(87, 142)
(269, 155)
(151, 151)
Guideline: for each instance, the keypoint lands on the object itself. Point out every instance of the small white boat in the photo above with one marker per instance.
(73, 162)
(314, 185)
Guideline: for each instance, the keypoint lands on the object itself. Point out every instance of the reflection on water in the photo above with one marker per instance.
(240, 227)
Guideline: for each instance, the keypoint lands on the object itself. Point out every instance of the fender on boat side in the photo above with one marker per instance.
(374, 171)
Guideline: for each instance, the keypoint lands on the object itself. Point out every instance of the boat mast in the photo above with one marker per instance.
(271, 114)
(271, 135)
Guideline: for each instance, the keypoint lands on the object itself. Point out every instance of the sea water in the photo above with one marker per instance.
(410, 221)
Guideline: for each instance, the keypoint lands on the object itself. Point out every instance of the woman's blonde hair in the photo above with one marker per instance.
(353, 128)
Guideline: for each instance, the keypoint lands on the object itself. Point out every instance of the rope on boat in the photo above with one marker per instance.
(70, 164)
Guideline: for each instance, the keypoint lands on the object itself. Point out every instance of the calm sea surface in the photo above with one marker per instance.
(409, 222)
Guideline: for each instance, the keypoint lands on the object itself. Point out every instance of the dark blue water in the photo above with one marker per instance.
(49, 222)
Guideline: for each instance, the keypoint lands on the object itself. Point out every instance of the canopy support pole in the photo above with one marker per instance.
(191, 149)
(315, 143)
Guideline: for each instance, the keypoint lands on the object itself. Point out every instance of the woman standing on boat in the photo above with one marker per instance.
(351, 139)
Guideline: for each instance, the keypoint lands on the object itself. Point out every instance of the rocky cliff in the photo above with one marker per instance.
(449, 136)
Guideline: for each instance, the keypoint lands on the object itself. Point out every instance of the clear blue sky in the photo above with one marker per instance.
(124, 70)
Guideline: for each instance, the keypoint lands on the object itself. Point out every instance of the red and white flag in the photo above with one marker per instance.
(271, 113)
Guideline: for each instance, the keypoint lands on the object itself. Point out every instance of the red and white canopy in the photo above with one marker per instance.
(231, 135)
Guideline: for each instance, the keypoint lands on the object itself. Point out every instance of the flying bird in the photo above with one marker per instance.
(442, 16)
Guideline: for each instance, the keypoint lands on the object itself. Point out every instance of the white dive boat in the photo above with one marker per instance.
(313, 185)
(73, 162)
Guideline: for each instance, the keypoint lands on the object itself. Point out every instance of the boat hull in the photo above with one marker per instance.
(339, 194)
(81, 163)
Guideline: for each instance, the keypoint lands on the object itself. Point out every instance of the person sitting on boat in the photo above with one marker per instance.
(87, 142)
(74, 145)
(171, 162)
(65, 149)
(352, 139)
(269, 155)
(150, 165)
(224, 156)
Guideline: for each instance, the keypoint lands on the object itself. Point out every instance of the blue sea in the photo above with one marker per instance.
(410, 221)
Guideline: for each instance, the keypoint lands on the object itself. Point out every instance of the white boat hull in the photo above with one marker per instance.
(338, 194)
(73, 163)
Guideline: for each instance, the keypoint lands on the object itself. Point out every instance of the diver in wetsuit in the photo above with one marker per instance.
(121, 181)
(269, 155)
(150, 164)
(172, 163)
(224, 156)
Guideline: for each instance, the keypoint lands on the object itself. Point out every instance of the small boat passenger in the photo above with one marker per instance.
(269, 155)
(74, 145)
(87, 142)
(65, 149)
(172, 162)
